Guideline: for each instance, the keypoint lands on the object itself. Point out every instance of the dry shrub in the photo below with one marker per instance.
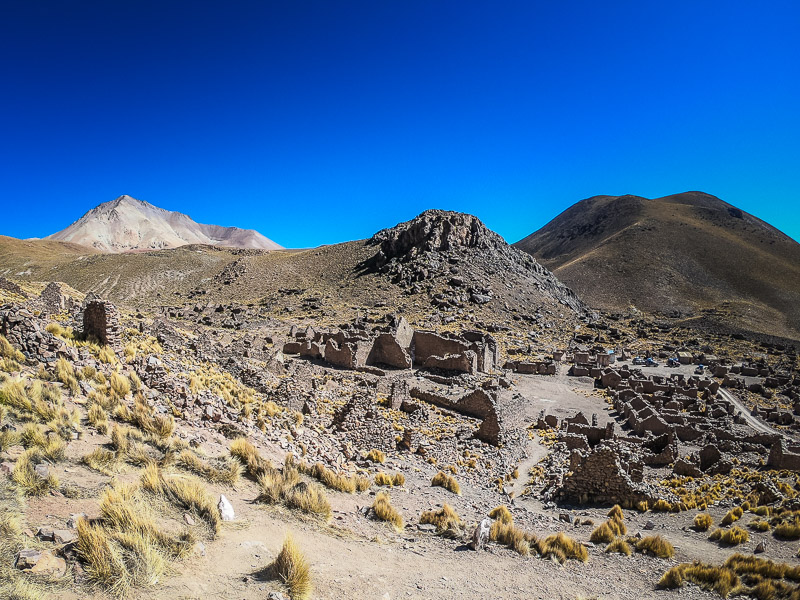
(24, 475)
(98, 418)
(229, 474)
(562, 547)
(731, 516)
(398, 480)
(120, 385)
(8, 351)
(376, 456)
(718, 579)
(445, 519)
(102, 460)
(730, 537)
(13, 395)
(286, 488)
(383, 479)
(187, 494)
(292, 569)
(333, 480)
(619, 546)
(616, 513)
(255, 465)
(661, 506)
(448, 482)
(759, 525)
(383, 509)
(604, 534)
(656, 546)
(702, 522)
(8, 439)
(788, 530)
(502, 514)
(512, 537)
(32, 436)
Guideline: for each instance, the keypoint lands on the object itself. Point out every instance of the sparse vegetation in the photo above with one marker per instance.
(445, 519)
(619, 546)
(501, 513)
(376, 456)
(562, 547)
(292, 569)
(383, 509)
(446, 481)
(655, 545)
(730, 537)
(702, 522)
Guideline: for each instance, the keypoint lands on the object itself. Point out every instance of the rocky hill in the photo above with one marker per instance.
(127, 224)
(689, 254)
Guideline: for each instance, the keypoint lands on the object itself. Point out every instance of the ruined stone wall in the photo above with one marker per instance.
(101, 320)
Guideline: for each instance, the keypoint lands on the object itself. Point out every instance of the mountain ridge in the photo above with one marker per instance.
(127, 224)
(683, 253)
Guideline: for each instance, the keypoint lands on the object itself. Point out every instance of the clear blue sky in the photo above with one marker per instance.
(319, 122)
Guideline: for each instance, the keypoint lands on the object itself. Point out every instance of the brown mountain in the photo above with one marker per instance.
(127, 224)
(684, 253)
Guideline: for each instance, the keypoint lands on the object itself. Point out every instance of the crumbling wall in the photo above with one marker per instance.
(101, 321)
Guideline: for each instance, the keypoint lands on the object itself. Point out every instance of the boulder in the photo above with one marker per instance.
(226, 509)
(41, 562)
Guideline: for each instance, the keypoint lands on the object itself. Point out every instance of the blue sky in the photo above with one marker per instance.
(319, 122)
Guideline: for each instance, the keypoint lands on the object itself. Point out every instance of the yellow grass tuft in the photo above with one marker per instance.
(731, 516)
(187, 494)
(448, 482)
(384, 510)
(246, 453)
(445, 519)
(120, 385)
(619, 546)
(292, 569)
(730, 537)
(102, 460)
(513, 537)
(502, 514)
(24, 475)
(718, 579)
(656, 546)
(376, 456)
(702, 522)
(286, 488)
(383, 479)
(229, 474)
(562, 547)
(603, 534)
(661, 506)
(616, 513)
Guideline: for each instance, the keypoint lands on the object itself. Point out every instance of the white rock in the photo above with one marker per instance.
(226, 509)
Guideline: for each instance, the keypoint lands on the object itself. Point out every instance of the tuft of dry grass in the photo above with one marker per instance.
(24, 475)
(13, 395)
(255, 465)
(732, 516)
(562, 547)
(616, 513)
(383, 509)
(661, 506)
(448, 482)
(604, 534)
(656, 546)
(383, 479)
(229, 474)
(445, 519)
(376, 456)
(513, 537)
(730, 537)
(187, 494)
(702, 522)
(717, 579)
(619, 546)
(286, 488)
(759, 525)
(102, 460)
(788, 530)
(292, 569)
(502, 514)
(120, 385)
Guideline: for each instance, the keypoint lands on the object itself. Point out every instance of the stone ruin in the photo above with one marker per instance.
(53, 300)
(10, 286)
(478, 403)
(28, 333)
(608, 474)
(397, 346)
(101, 321)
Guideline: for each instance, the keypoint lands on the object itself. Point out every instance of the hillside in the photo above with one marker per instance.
(437, 267)
(127, 224)
(677, 254)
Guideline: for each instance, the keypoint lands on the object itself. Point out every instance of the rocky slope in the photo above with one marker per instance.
(127, 224)
(679, 254)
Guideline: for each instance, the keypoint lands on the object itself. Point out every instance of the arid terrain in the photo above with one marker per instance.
(430, 413)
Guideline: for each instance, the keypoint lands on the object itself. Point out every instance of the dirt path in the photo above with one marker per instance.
(754, 422)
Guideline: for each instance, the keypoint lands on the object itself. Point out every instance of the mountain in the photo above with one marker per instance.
(127, 224)
(679, 254)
